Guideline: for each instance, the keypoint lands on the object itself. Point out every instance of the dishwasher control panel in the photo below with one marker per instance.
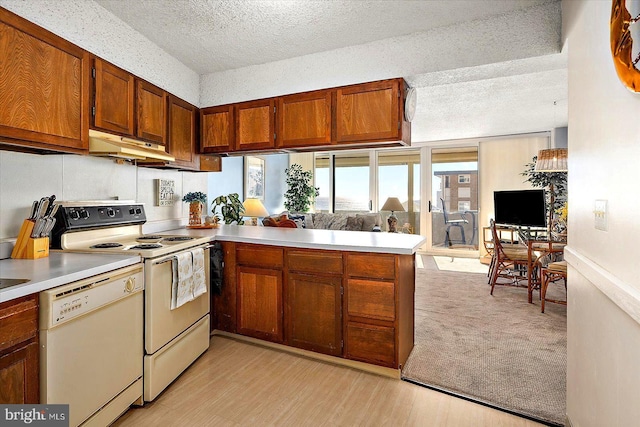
(70, 301)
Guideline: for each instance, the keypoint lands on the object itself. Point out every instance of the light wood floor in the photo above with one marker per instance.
(240, 384)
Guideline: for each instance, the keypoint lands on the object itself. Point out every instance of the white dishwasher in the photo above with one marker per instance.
(91, 345)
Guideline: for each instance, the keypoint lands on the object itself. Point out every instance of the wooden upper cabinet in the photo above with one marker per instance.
(113, 98)
(44, 88)
(152, 112)
(255, 125)
(216, 129)
(304, 120)
(369, 111)
(182, 132)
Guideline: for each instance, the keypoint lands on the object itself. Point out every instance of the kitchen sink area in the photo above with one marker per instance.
(7, 283)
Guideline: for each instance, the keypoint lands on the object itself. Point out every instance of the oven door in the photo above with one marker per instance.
(161, 323)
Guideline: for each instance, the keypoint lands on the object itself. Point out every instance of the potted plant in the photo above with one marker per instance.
(301, 193)
(556, 182)
(231, 208)
(196, 200)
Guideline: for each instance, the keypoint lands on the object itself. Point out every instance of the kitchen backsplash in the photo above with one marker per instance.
(28, 177)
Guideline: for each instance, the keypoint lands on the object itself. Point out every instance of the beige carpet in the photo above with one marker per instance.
(499, 350)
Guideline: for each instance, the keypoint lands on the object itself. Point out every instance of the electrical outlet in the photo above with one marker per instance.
(600, 215)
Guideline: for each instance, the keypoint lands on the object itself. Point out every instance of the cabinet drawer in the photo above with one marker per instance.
(260, 256)
(18, 321)
(371, 299)
(315, 262)
(370, 343)
(371, 266)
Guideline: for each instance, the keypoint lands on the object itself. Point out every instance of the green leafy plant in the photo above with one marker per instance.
(301, 193)
(556, 182)
(196, 196)
(231, 208)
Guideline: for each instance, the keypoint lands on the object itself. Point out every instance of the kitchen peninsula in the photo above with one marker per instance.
(345, 294)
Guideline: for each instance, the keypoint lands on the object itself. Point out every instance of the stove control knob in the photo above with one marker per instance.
(110, 212)
(130, 285)
(132, 211)
(138, 211)
(74, 215)
(84, 214)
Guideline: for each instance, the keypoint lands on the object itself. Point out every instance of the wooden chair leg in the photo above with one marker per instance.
(494, 275)
(544, 283)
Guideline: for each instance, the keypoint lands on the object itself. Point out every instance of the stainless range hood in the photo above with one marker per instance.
(106, 144)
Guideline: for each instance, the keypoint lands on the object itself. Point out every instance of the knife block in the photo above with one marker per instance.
(27, 247)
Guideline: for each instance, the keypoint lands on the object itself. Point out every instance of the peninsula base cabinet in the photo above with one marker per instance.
(358, 306)
(19, 353)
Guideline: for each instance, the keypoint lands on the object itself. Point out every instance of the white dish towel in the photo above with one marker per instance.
(188, 277)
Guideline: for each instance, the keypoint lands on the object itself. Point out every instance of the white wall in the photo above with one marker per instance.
(603, 375)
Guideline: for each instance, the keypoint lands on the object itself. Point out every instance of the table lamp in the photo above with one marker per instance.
(392, 204)
(254, 208)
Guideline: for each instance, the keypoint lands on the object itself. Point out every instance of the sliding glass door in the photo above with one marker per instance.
(454, 199)
(399, 177)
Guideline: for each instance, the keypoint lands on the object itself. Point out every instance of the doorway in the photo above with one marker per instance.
(454, 201)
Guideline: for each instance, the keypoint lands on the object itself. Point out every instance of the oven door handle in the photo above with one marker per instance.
(172, 257)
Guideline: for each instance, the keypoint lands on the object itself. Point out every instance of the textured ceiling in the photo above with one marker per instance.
(503, 93)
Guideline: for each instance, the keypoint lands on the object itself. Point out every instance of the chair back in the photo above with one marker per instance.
(444, 211)
(497, 244)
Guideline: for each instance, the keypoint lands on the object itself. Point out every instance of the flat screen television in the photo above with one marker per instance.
(520, 207)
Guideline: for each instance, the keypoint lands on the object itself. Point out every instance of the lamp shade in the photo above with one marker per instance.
(552, 160)
(254, 208)
(392, 204)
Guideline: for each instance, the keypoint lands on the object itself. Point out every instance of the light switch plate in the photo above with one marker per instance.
(600, 215)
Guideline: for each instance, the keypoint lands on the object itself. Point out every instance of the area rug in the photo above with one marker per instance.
(498, 350)
(463, 265)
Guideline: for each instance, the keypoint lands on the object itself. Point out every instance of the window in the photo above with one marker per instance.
(464, 205)
(464, 179)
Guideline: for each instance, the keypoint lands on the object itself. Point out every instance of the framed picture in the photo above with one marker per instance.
(254, 174)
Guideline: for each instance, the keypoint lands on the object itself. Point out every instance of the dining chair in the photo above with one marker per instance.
(507, 262)
(551, 274)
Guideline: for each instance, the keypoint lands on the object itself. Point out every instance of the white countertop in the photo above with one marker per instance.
(357, 241)
(57, 269)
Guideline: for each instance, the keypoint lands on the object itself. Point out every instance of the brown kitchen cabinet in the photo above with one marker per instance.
(370, 112)
(313, 316)
(255, 125)
(259, 303)
(19, 352)
(113, 98)
(379, 304)
(304, 120)
(182, 142)
(217, 129)
(151, 105)
(44, 89)
(354, 305)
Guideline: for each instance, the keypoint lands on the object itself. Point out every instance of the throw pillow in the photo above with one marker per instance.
(308, 221)
(298, 219)
(368, 221)
(354, 224)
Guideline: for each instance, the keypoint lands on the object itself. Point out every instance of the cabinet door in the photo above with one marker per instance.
(19, 379)
(113, 98)
(314, 308)
(371, 343)
(216, 129)
(304, 120)
(182, 133)
(152, 112)
(44, 88)
(255, 125)
(259, 298)
(368, 111)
